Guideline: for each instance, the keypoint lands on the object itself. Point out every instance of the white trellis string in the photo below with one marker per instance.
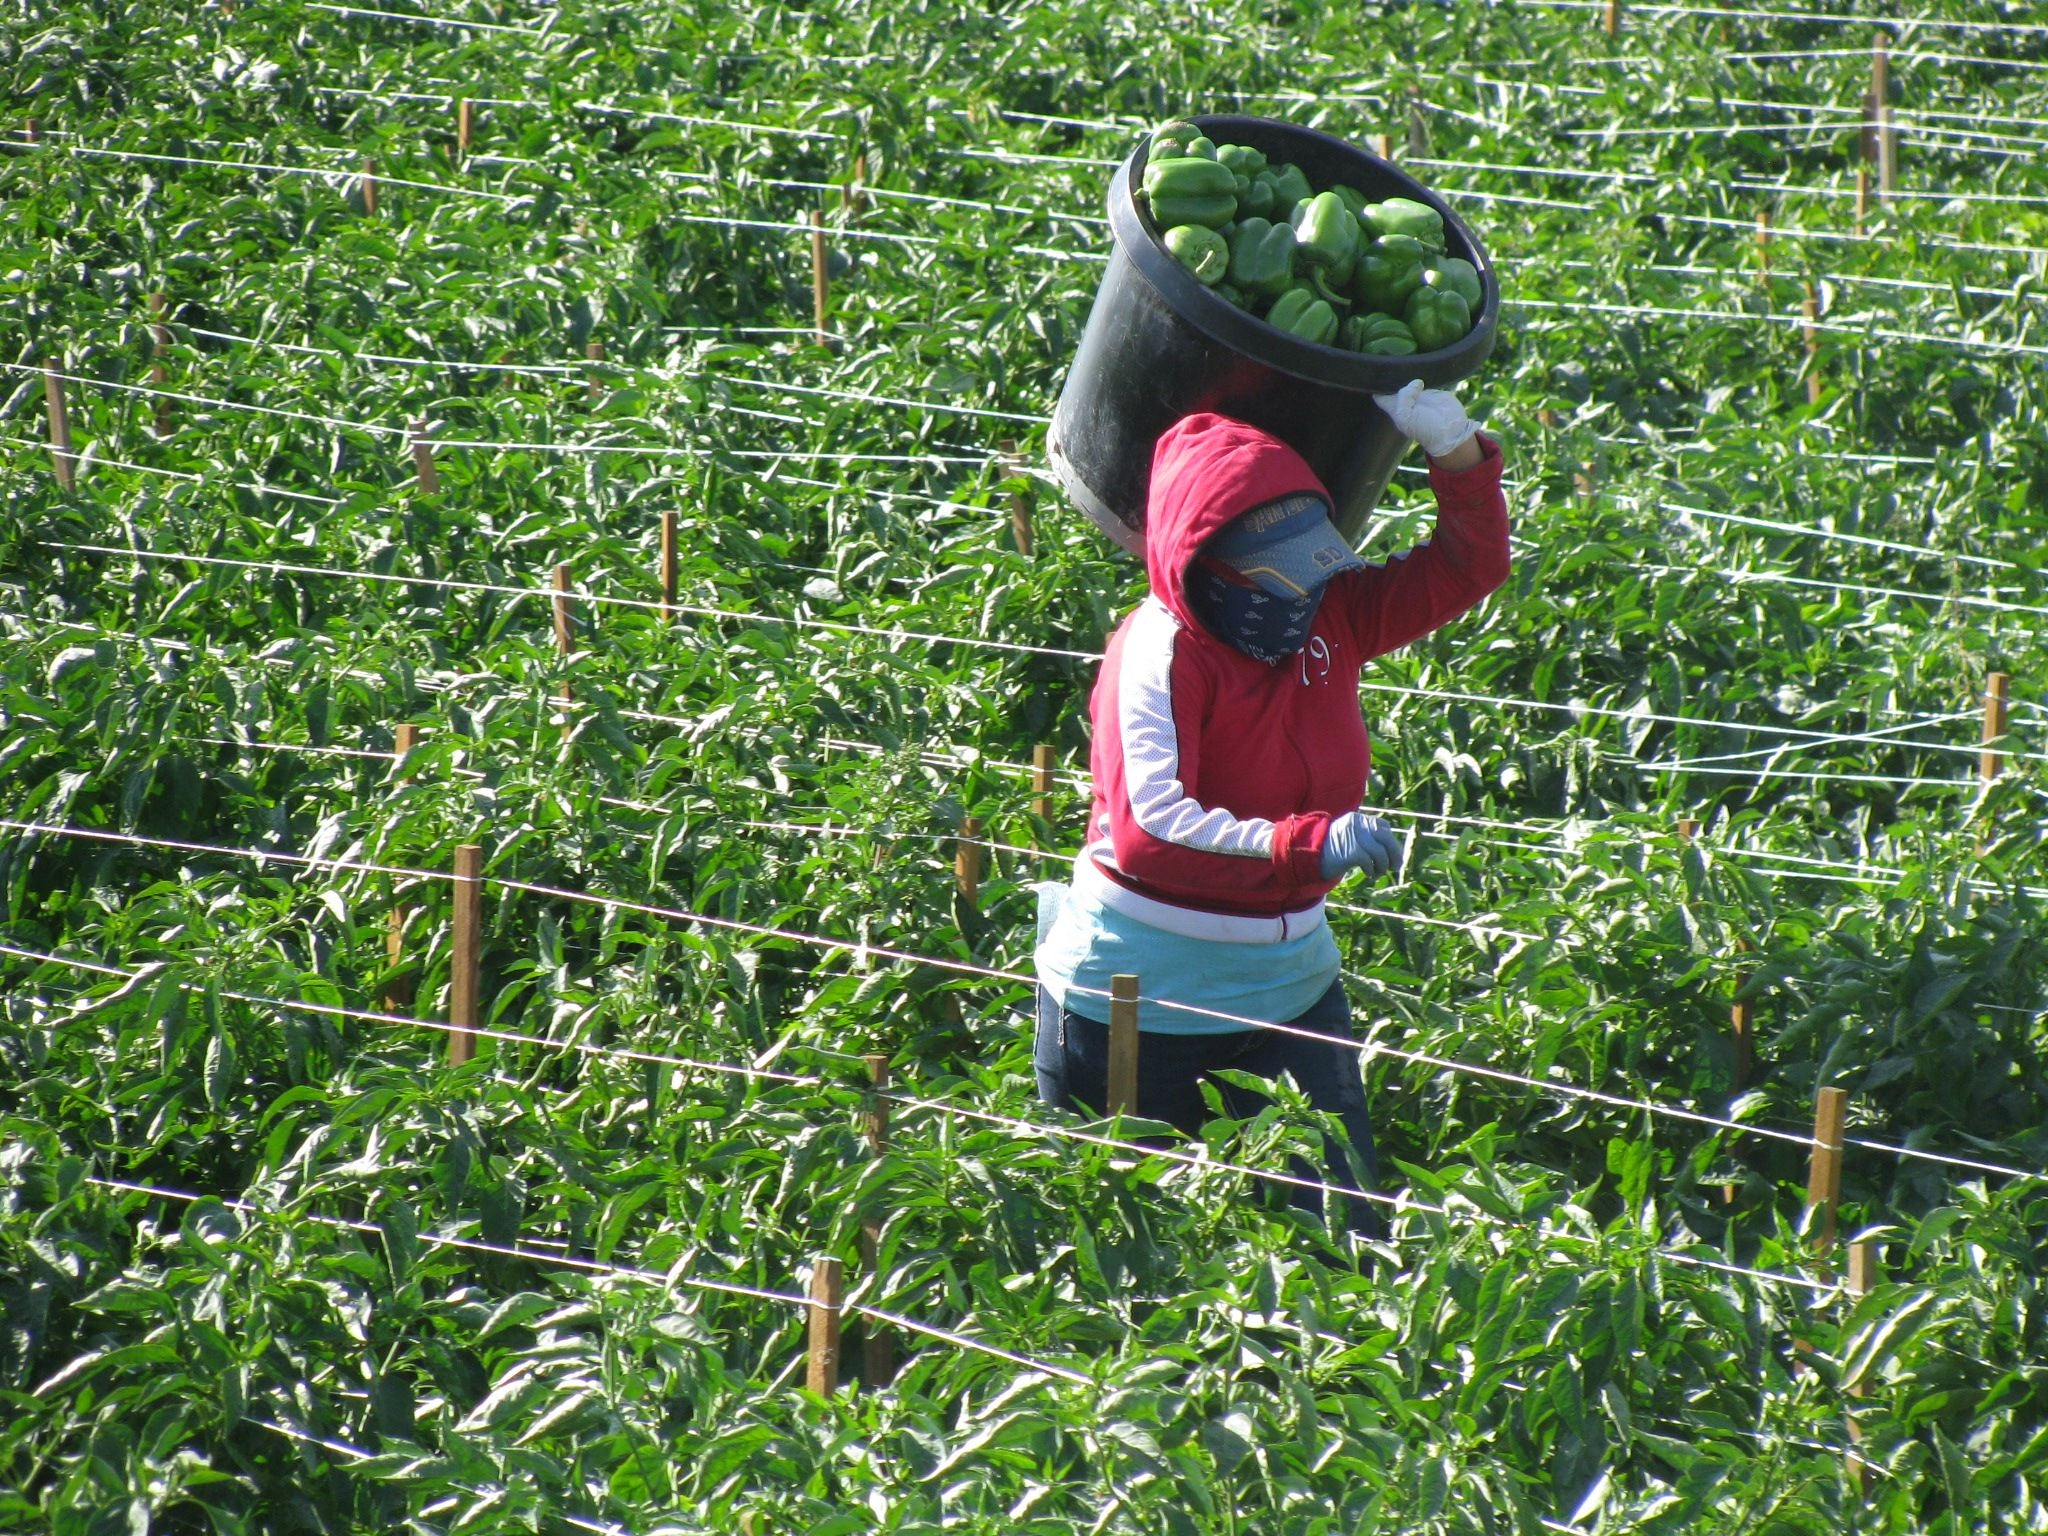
(450, 584)
(1782, 578)
(1400, 1203)
(1901, 56)
(1747, 275)
(429, 21)
(616, 366)
(1831, 535)
(1651, 178)
(971, 969)
(623, 1272)
(232, 405)
(627, 449)
(1787, 321)
(88, 457)
(1826, 18)
(1898, 780)
(586, 367)
(1863, 872)
(340, 174)
(1576, 709)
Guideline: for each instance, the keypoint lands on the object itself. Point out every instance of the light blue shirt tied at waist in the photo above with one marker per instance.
(1270, 969)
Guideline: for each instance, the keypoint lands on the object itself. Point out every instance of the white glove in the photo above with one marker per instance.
(1433, 417)
(1358, 841)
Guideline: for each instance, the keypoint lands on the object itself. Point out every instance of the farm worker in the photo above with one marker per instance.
(1229, 763)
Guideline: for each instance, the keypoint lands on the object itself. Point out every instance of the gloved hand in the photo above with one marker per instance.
(1359, 841)
(1433, 417)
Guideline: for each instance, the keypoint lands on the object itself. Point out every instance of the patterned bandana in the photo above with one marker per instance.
(1265, 627)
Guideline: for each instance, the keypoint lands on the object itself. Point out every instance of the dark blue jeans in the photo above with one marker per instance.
(1072, 1059)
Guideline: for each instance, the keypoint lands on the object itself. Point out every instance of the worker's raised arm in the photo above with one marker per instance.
(1386, 606)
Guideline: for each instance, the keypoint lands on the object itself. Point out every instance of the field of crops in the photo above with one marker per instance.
(357, 559)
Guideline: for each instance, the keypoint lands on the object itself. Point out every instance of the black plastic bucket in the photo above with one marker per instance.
(1159, 345)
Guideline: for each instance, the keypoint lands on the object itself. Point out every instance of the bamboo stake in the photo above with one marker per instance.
(35, 132)
(1613, 18)
(668, 567)
(1688, 829)
(820, 279)
(878, 1348)
(565, 637)
(1811, 311)
(1418, 130)
(465, 979)
(1997, 700)
(967, 861)
(1121, 1089)
(399, 994)
(1824, 1172)
(63, 462)
(369, 187)
(1383, 145)
(594, 386)
(1862, 196)
(1020, 508)
(875, 1120)
(853, 196)
(565, 619)
(1742, 1033)
(1041, 781)
(465, 122)
(1862, 1276)
(1887, 145)
(1546, 418)
(1763, 245)
(159, 375)
(827, 1297)
(1862, 1267)
(423, 455)
(1582, 481)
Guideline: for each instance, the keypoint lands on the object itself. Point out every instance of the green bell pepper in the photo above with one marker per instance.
(1170, 141)
(1201, 147)
(1290, 185)
(1241, 158)
(1201, 250)
(1437, 316)
(1388, 271)
(1256, 201)
(1405, 216)
(1300, 313)
(1378, 335)
(1457, 274)
(1262, 257)
(1355, 200)
(1328, 235)
(1190, 190)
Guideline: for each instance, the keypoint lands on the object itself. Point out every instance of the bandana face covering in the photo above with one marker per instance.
(1265, 627)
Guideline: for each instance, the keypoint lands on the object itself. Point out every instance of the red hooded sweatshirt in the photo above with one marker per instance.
(1216, 776)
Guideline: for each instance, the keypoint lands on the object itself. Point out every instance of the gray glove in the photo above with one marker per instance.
(1359, 841)
(1432, 417)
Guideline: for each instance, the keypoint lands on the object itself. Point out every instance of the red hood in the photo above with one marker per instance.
(1206, 470)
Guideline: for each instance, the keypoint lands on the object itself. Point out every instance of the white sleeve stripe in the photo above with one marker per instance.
(1151, 748)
